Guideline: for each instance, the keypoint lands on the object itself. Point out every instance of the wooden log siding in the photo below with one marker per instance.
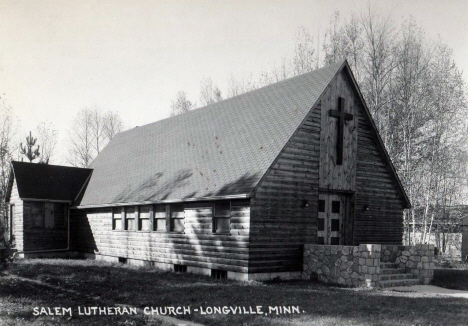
(197, 246)
(280, 224)
(376, 188)
(18, 218)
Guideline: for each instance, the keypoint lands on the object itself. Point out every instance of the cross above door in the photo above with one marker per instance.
(342, 116)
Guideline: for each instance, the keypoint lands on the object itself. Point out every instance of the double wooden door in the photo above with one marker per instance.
(332, 211)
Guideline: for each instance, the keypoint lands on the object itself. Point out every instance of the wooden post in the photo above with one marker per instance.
(123, 218)
(137, 218)
(168, 217)
(151, 218)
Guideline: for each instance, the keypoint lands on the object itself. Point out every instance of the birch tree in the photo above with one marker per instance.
(81, 140)
(90, 132)
(7, 148)
(181, 104)
(47, 139)
(209, 92)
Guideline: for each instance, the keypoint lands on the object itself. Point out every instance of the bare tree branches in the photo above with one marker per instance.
(47, 139)
(209, 92)
(91, 131)
(7, 148)
(181, 104)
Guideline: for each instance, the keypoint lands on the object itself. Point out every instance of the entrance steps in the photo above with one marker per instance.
(391, 275)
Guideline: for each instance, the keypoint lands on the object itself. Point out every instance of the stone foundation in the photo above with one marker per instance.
(359, 266)
(345, 265)
(417, 260)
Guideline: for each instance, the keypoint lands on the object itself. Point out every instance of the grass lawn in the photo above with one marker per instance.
(109, 284)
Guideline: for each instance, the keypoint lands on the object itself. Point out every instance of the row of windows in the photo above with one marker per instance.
(163, 218)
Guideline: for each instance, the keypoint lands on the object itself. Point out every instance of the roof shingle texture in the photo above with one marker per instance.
(49, 182)
(218, 150)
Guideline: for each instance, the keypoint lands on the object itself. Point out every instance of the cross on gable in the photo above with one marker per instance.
(341, 115)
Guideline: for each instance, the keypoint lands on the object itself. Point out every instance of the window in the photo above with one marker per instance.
(177, 218)
(159, 218)
(180, 268)
(222, 217)
(37, 214)
(321, 206)
(47, 215)
(117, 218)
(60, 215)
(12, 222)
(144, 221)
(336, 205)
(218, 274)
(130, 218)
(335, 224)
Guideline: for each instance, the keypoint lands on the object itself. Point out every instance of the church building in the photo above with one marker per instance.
(234, 189)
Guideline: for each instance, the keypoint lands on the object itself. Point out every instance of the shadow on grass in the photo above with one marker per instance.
(319, 304)
(454, 279)
(140, 287)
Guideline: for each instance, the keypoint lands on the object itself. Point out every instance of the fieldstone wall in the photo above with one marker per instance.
(417, 260)
(345, 265)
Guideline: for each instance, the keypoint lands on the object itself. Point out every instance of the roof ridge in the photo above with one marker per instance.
(49, 165)
(197, 110)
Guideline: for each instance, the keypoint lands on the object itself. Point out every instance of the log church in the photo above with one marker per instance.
(234, 189)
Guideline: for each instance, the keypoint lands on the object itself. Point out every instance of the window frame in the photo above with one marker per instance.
(12, 222)
(134, 218)
(149, 218)
(172, 218)
(114, 210)
(216, 217)
(32, 224)
(156, 217)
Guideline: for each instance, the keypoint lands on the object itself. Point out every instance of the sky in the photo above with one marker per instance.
(58, 57)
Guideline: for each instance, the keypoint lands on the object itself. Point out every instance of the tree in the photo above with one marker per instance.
(97, 129)
(209, 92)
(47, 138)
(28, 149)
(181, 104)
(112, 124)
(7, 132)
(304, 59)
(91, 131)
(81, 139)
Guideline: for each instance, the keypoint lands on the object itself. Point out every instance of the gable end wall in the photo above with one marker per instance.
(280, 224)
(18, 218)
(379, 204)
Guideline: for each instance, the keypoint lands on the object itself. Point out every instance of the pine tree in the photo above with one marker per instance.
(28, 150)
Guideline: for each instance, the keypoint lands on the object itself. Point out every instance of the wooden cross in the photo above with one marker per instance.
(341, 115)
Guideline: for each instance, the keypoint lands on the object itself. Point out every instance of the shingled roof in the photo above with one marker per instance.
(219, 150)
(47, 182)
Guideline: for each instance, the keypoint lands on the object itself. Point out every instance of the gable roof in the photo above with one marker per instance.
(218, 151)
(47, 182)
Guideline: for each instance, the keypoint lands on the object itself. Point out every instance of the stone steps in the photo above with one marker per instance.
(405, 282)
(388, 265)
(391, 275)
(388, 271)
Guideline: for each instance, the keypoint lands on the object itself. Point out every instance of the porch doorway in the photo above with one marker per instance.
(333, 217)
